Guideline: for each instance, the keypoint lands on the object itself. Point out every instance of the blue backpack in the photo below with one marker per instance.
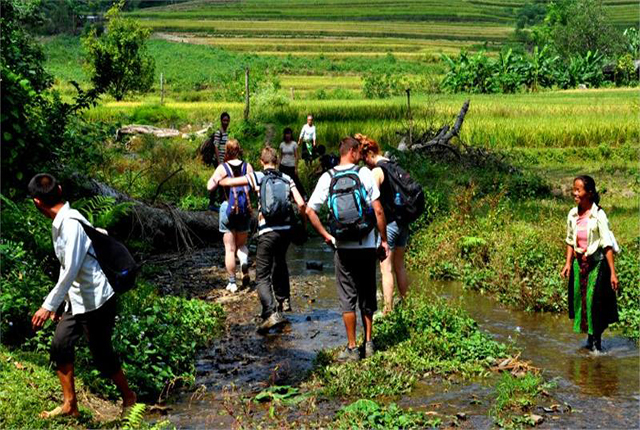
(350, 216)
(239, 206)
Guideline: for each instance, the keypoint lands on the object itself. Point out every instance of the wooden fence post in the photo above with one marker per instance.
(409, 116)
(161, 88)
(246, 94)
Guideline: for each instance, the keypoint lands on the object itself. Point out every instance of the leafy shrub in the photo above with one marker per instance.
(118, 60)
(423, 335)
(365, 413)
(24, 286)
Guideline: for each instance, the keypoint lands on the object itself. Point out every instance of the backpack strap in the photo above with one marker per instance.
(84, 227)
(227, 169)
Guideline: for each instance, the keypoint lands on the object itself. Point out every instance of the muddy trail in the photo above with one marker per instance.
(592, 391)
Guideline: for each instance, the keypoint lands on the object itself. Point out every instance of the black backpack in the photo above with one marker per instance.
(407, 202)
(350, 216)
(114, 258)
(275, 205)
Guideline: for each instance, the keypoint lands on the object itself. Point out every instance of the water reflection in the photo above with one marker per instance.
(596, 376)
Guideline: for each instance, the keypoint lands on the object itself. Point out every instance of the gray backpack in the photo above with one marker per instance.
(275, 205)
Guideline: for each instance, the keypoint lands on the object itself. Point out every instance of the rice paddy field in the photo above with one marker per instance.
(409, 29)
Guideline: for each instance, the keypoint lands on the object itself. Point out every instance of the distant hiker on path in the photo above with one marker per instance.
(308, 138)
(274, 189)
(212, 152)
(590, 265)
(355, 210)
(235, 213)
(289, 156)
(82, 302)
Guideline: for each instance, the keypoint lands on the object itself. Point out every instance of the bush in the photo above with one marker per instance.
(118, 60)
(365, 413)
(423, 335)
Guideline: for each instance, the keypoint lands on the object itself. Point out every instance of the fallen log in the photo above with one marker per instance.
(163, 227)
(442, 137)
(158, 132)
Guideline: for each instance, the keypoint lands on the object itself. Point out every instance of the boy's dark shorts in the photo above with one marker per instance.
(97, 326)
(356, 279)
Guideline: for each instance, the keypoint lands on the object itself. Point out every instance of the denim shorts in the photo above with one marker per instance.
(397, 235)
(227, 227)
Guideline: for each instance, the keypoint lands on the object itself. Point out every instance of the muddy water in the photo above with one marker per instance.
(603, 391)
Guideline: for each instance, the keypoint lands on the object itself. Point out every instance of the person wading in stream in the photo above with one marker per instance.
(397, 231)
(590, 265)
(235, 213)
(82, 301)
(354, 208)
(274, 189)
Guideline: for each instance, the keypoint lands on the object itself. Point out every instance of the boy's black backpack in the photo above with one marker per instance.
(407, 196)
(275, 205)
(114, 258)
(350, 217)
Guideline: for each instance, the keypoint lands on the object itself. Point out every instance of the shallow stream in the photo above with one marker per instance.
(603, 391)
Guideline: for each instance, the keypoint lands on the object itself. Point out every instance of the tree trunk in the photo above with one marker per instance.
(164, 227)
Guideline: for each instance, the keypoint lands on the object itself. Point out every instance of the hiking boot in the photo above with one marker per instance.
(368, 349)
(245, 275)
(348, 354)
(274, 320)
(232, 287)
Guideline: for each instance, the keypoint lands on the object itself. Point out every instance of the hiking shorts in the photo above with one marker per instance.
(225, 226)
(397, 235)
(356, 279)
(97, 326)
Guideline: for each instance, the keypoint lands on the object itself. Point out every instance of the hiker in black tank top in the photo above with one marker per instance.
(234, 236)
(397, 234)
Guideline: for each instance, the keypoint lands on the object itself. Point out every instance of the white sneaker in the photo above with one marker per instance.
(232, 287)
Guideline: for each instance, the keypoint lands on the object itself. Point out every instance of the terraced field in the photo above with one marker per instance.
(414, 30)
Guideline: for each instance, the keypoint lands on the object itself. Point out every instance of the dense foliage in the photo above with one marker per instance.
(39, 130)
(118, 59)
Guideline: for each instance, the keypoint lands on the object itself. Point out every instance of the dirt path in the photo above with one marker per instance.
(241, 363)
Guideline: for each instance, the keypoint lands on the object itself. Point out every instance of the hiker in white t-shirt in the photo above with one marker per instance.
(308, 137)
(355, 254)
(289, 155)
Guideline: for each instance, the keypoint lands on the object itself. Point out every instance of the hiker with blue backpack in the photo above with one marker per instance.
(403, 201)
(275, 218)
(355, 211)
(84, 298)
(235, 213)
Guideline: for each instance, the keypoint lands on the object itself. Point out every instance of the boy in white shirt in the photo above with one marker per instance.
(355, 260)
(89, 299)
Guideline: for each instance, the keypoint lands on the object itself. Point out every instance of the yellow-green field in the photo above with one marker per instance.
(562, 119)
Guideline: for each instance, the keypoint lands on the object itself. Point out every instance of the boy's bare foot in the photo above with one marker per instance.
(59, 411)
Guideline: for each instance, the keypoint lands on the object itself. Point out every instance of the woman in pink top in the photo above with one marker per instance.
(589, 265)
